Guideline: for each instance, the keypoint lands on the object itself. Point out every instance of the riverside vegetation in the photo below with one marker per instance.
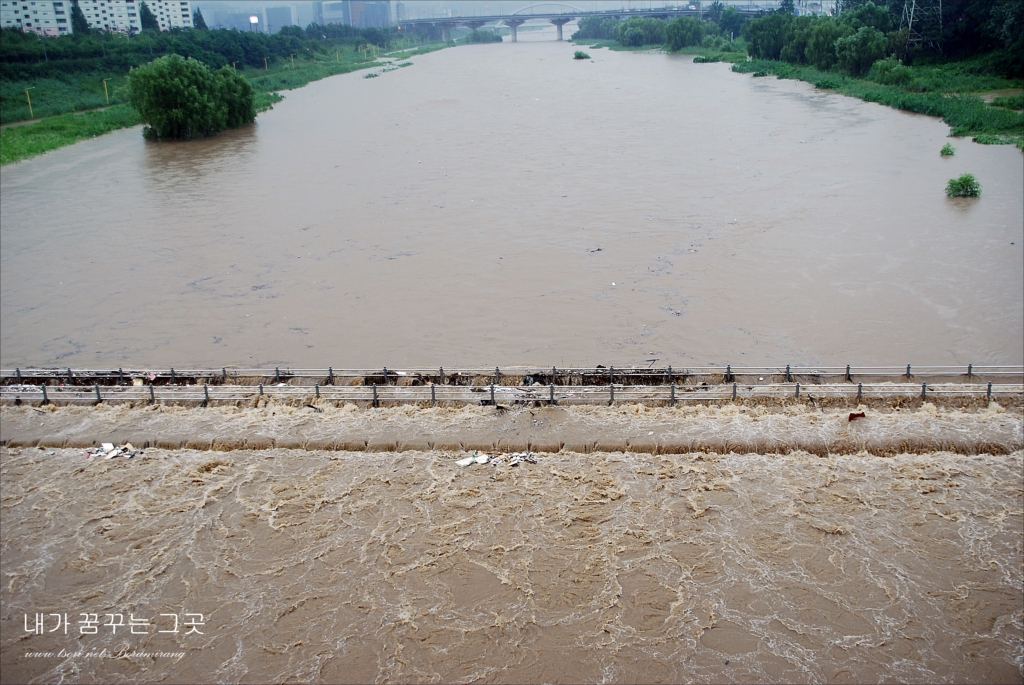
(64, 75)
(936, 67)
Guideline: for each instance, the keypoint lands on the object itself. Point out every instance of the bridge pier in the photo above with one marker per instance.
(474, 25)
(559, 23)
(446, 32)
(514, 24)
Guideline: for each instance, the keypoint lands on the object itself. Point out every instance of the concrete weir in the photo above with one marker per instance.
(603, 409)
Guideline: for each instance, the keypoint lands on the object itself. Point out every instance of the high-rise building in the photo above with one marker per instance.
(279, 17)
(54, 18)
(336, 13)
(358, 13)
(365, 14)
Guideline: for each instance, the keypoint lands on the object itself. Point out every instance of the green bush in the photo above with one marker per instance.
(965, 186)
(891, 72)
(478, 36)
(180, 98)
(637, 32)
(579, 54)
(597, 28)
(858, 52)
(947, 150)
(821, 44)
(683, 32)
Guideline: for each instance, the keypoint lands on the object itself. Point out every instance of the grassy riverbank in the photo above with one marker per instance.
(23, 142)
(949, 92)
(62, 129)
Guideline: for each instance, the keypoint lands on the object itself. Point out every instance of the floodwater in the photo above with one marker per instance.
(506, 204)
(370, 567)
(500, 205)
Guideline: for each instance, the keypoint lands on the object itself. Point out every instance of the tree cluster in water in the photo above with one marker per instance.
(180, 98)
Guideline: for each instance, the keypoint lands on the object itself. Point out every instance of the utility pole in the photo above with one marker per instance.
(27, 97)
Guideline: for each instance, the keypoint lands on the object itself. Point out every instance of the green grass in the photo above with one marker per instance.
(422, 50)
(947, 150)
(52, 96)
(967, 115)
(21, 142)
(1009, 102)
(304, 72)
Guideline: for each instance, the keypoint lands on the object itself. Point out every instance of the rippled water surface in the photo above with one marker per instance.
(503, 204)
(364, 567)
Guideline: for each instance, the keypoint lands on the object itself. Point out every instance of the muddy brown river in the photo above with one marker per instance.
(502, 205)
(506, 204)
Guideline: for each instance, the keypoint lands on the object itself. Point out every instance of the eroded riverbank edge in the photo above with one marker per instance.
(739, 428)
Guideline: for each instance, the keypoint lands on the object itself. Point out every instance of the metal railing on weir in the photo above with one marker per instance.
(514, 376)
(533, 393)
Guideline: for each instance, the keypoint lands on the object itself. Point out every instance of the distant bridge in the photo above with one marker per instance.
(561, 14)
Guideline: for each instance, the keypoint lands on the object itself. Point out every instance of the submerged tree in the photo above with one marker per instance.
(180, 98)
(198, 21)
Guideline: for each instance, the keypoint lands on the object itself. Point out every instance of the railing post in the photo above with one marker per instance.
(860, 391)
(433, 397)
(330, 375)
(728, 373)
(317, 387)
(172, 376)
(261, 390)
(848, 379)
(96, 386)
(120, 376)
(551, 393)
(611, 393)
(17, 372)
(497, 375)
(672, 395)
(375, 394)
(734, 392)
(492, 395)
(442, 375)
(46, 400)
(908, 370)
(554, 375)
(789, 378)
(797, 390)
(206, 394)
(970, 370)
(989, 394)
(611, 375)
(924, 390)
(385, 375)
(152, 395)
(223, 376)
(670, 375)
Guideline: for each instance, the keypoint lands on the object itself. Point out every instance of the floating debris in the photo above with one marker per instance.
(856, 415)
(498, 458)
(108, 451)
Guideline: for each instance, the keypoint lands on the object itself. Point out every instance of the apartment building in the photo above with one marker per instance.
(54, 18)
(44, 18)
